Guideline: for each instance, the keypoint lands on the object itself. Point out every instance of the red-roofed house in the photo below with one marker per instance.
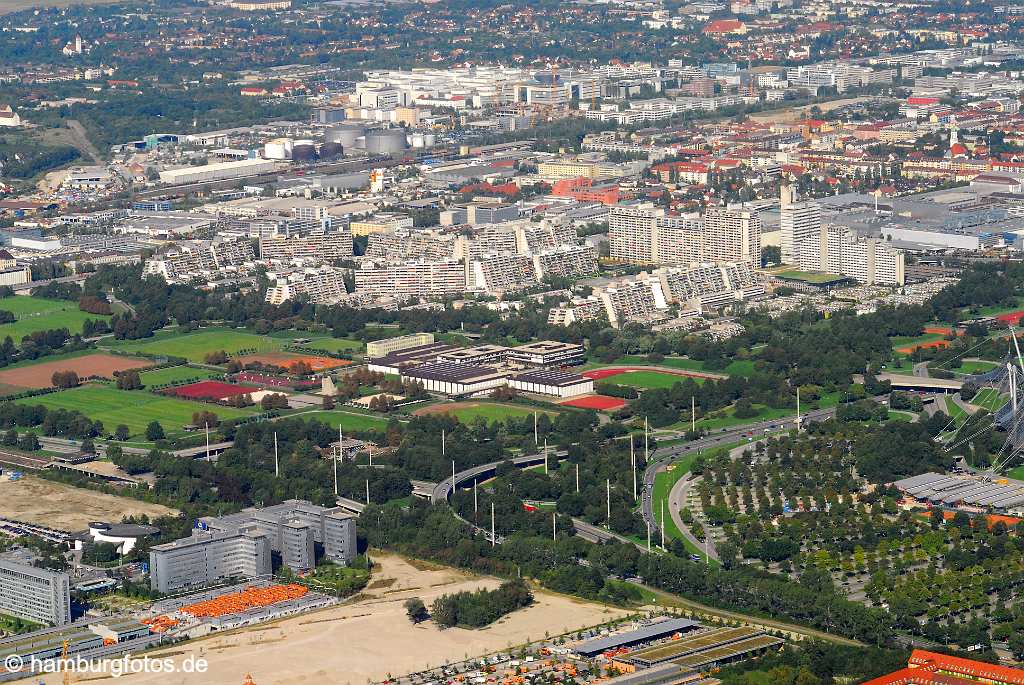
(721, 27)
(682, 172)
(930, 668)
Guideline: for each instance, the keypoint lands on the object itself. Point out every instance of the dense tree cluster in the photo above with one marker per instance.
(481, 607)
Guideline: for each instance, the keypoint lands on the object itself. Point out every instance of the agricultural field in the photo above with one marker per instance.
(39, 374)
(195, 346)
(135, 409)
(176, 374)
(468, 412)
(41, 314)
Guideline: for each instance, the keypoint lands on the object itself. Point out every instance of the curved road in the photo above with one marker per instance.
(663, 456)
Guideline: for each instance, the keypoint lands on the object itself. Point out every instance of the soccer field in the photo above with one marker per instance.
(195, 346)
(335, 345)
(649, 379)
(41, 314)
(467, 412)
(135, 409)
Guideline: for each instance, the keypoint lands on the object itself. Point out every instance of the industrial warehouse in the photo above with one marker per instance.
(970, 492)
(466, 371)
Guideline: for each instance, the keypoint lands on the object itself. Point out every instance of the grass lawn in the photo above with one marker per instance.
(494, 411)
(175, 374)
(974, 366)
(953, 410)
(135, 409)
(335, 345)
(899, 364)
(41, 314)
(664, 481)
(647, 379)
(195, 346)
(349, 421)
(1017, 473)
(990, 399)
(906, 341)
(995, 310)
(724, 418)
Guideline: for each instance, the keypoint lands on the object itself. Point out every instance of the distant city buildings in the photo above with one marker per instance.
(186, 262)
(645, 234)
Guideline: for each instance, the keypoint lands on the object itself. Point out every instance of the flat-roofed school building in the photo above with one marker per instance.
(547, 354)
(553, 382)
(451, 378)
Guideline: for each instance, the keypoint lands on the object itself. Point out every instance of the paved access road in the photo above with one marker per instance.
(663, 456)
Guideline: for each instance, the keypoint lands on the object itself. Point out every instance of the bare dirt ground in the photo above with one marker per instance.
(40, 375)
(794, 114)
(65, 507)
(368, 639)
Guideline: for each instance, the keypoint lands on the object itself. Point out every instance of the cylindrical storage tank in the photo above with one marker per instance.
(305, 152)
(331, 150)
(429, 140)
(387, 141)
(345, 134)
(416, 140)
(277, 149)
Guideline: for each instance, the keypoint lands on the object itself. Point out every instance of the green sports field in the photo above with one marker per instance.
(990, 399)
(175, 374)
(648, 379)
(335, 345)
(135, 409)
(489, 411)
(195, 346)
(41, 314)
(738, 367)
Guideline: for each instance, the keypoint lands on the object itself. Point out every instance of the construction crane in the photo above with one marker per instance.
(64, 662)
